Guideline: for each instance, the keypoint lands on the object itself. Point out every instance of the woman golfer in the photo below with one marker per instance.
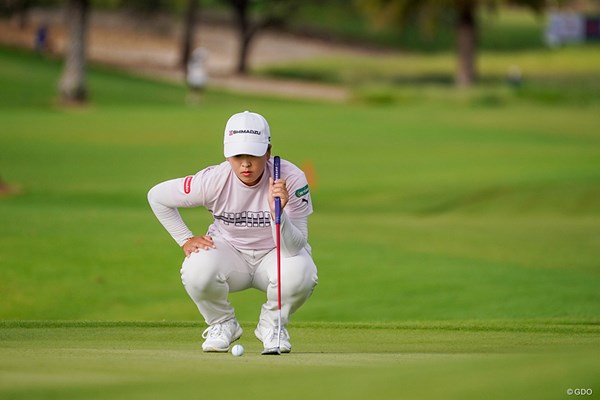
(239, 250)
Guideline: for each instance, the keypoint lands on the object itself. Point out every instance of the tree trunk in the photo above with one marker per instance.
(23, 10)
(187, 40)
(245, 35)
(72, 85)
(274, 12)
(466, 41)
(245, 38)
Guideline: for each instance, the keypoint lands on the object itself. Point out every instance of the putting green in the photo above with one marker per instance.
(427, 360)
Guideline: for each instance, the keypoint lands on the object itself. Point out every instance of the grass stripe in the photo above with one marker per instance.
(537, 325)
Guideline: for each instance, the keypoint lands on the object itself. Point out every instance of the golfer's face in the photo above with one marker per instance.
(247, 168)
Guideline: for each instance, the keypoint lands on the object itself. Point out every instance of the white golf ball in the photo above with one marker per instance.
(237, 350)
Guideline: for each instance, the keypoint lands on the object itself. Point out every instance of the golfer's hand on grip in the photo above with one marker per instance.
(197, 243)
(277, 189)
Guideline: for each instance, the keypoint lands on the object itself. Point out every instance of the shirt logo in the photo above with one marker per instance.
(248, 219)
(187, 184)
(302, 191)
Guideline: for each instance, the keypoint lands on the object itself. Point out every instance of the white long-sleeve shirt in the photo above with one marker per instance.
(241, 213)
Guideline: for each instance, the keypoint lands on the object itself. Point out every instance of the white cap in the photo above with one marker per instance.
(246, 133)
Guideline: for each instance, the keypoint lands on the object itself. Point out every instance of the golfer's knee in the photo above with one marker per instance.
(300, 276)
(199, 278)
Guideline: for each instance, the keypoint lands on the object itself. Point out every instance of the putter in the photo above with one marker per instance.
(276, 176)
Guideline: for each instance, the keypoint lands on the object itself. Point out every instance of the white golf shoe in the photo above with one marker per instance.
(268, 336)
(220, 336)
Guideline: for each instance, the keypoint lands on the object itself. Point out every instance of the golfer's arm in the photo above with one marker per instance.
(294, 234)
(164, 205)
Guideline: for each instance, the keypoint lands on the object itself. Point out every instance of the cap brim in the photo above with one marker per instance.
(253, 149)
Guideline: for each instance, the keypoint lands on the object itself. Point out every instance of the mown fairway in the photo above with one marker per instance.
(467, 232)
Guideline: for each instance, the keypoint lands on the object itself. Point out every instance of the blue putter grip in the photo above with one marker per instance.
(277, 176)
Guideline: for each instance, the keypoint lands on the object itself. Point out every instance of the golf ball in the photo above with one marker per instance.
(237, 350)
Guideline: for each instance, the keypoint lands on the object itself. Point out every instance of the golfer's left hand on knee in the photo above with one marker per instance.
(197, 243)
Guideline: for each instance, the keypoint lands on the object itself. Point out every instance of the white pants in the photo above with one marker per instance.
(210, 275)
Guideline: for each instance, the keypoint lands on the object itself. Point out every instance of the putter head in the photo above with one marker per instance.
(273, 351)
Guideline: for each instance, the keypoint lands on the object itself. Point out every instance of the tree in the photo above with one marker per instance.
(466, 42)
(464, 13)
(20, 8)
(72, 85)
(187, 39)
(253, 15)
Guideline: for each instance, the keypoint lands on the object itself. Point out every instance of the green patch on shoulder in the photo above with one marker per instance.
(302, 191)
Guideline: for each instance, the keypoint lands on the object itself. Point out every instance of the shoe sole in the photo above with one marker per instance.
(238, 334)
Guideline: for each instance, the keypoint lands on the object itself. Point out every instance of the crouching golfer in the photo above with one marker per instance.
(239, 252)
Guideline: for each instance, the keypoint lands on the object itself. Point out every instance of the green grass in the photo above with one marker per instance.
(457, 243)
(456, 211)
(131, 360)
(567, 76)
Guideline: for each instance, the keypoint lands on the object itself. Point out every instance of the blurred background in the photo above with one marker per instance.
(452, 148)
(370, 47)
